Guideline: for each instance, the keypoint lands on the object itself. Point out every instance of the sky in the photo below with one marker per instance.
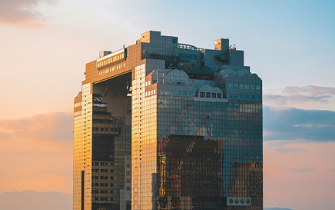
(45, 44)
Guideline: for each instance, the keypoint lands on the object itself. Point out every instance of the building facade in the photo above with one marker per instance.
(186, 122)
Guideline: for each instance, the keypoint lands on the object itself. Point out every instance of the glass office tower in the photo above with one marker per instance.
(192, 116)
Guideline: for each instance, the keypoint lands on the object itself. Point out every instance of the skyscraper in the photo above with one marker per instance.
(190, 118)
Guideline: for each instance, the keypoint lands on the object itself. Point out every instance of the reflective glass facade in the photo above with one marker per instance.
(193, 148)
(166, 125)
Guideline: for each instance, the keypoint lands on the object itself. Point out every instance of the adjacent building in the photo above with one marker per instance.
(165, 125)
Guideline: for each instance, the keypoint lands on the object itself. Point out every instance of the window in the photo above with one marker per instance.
(101, 129)
(202, 94)
(128, 188)
(258, 87)
(241, 96)
(253, 97)
(246, 87)
(247, 97)
(230, 86)
(213, 95)
(252, 87)
(208, 95)
(241, 86)
(111, 191)
(112, 178)
(235, 86)
(184, 93)
(190, 93)
(128, 180)
(258, 97)
(128, 173)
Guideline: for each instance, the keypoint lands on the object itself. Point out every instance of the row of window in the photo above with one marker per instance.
(110, 60)
(103, 198)
(102, 163)
(194, 57)
(77, 104)
(147, 83)
(246, 97)
(244, 87)
(102, 177)
(102, 184)
(105, 129)
(209, 95)
(101, 170)
(191, 93)
(188, 47)
(149, 93)
(102, 191)
(178, 92)
(113, 68)
(105, 164)
(78, 113)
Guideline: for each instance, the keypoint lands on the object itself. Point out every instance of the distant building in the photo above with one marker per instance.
(189, 118)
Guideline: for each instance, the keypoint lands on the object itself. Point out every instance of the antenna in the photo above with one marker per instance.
(234, 48)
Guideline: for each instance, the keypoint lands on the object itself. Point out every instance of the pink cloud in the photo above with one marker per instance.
(310, 90)
(37, 153)
(305, 97)
(303, 175)
(22, 12)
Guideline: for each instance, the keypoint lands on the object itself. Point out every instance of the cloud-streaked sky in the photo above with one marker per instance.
(45, 44)
(22, 12)
(36, 153)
